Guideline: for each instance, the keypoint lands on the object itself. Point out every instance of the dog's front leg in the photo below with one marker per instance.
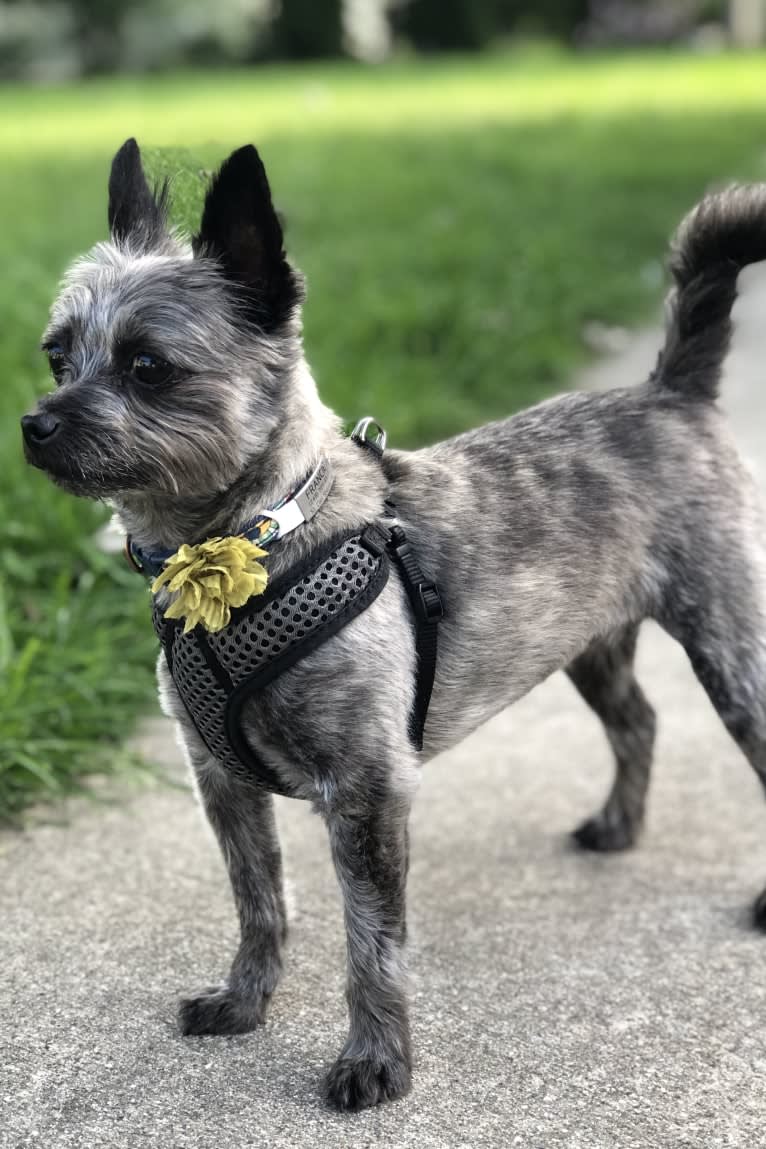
(242, 817)
(370, 853)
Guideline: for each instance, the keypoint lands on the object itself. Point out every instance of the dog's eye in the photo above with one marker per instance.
(56, 360)
(149, 369)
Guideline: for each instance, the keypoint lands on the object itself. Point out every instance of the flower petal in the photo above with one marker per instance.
(210, 577)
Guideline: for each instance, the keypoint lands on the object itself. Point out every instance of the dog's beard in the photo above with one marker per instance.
(89, 474)
(107, 470)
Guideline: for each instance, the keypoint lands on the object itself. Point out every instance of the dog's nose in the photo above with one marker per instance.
(37, 429)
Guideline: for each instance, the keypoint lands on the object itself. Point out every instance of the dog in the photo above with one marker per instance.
(183, 399)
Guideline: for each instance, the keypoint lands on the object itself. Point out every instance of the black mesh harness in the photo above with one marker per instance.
(217, 673)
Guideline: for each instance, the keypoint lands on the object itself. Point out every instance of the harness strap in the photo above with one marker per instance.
(425, 600)
(427, 609)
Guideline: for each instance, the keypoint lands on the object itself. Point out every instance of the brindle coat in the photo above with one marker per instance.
(552, 535)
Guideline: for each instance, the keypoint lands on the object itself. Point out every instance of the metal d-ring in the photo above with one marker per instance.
(360, 435)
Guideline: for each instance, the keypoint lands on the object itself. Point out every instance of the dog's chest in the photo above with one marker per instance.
(215, 674)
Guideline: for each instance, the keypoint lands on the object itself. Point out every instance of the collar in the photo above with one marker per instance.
(267, 526)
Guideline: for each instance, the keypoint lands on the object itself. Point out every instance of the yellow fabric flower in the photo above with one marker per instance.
(210, 578)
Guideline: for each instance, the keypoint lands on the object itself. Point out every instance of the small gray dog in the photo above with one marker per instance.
(183, 399)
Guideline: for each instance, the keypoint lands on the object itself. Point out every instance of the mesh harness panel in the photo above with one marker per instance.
(216, 673)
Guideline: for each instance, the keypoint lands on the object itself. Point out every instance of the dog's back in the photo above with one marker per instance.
(590, 512)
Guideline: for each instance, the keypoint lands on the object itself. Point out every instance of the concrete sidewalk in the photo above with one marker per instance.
(582, 1002)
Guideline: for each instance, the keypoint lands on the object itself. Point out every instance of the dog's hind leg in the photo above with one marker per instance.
(603, 674)
(724, 636)
(242, 817)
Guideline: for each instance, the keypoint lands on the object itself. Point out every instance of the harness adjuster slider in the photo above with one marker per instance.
(430, 601)
(424, 594)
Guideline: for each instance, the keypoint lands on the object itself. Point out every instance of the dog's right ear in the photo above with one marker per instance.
(136, 217)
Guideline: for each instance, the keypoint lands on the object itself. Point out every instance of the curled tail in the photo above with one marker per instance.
(724, 233)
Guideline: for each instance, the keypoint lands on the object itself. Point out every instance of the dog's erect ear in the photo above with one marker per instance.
(135, 215)
(241, 230)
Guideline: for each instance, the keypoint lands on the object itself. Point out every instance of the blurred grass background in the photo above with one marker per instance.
(461, 223)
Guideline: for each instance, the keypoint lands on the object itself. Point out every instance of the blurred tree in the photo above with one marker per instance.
(469, 25)
(646, 21)
(747, 20)
(308, 29)
(446, 25)
(551, 17)
(97, 30)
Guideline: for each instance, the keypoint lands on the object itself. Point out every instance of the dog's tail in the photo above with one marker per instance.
(721, 235)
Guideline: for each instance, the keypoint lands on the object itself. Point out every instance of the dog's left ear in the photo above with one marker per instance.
(241, 230)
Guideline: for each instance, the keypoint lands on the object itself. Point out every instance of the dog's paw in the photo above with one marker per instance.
(360, 1082)
(604, 834)
(220, 1010)
(759, 911)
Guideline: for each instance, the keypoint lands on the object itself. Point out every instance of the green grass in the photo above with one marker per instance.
(459, 223)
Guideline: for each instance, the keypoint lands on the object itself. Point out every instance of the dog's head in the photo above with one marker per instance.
(171, 359)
